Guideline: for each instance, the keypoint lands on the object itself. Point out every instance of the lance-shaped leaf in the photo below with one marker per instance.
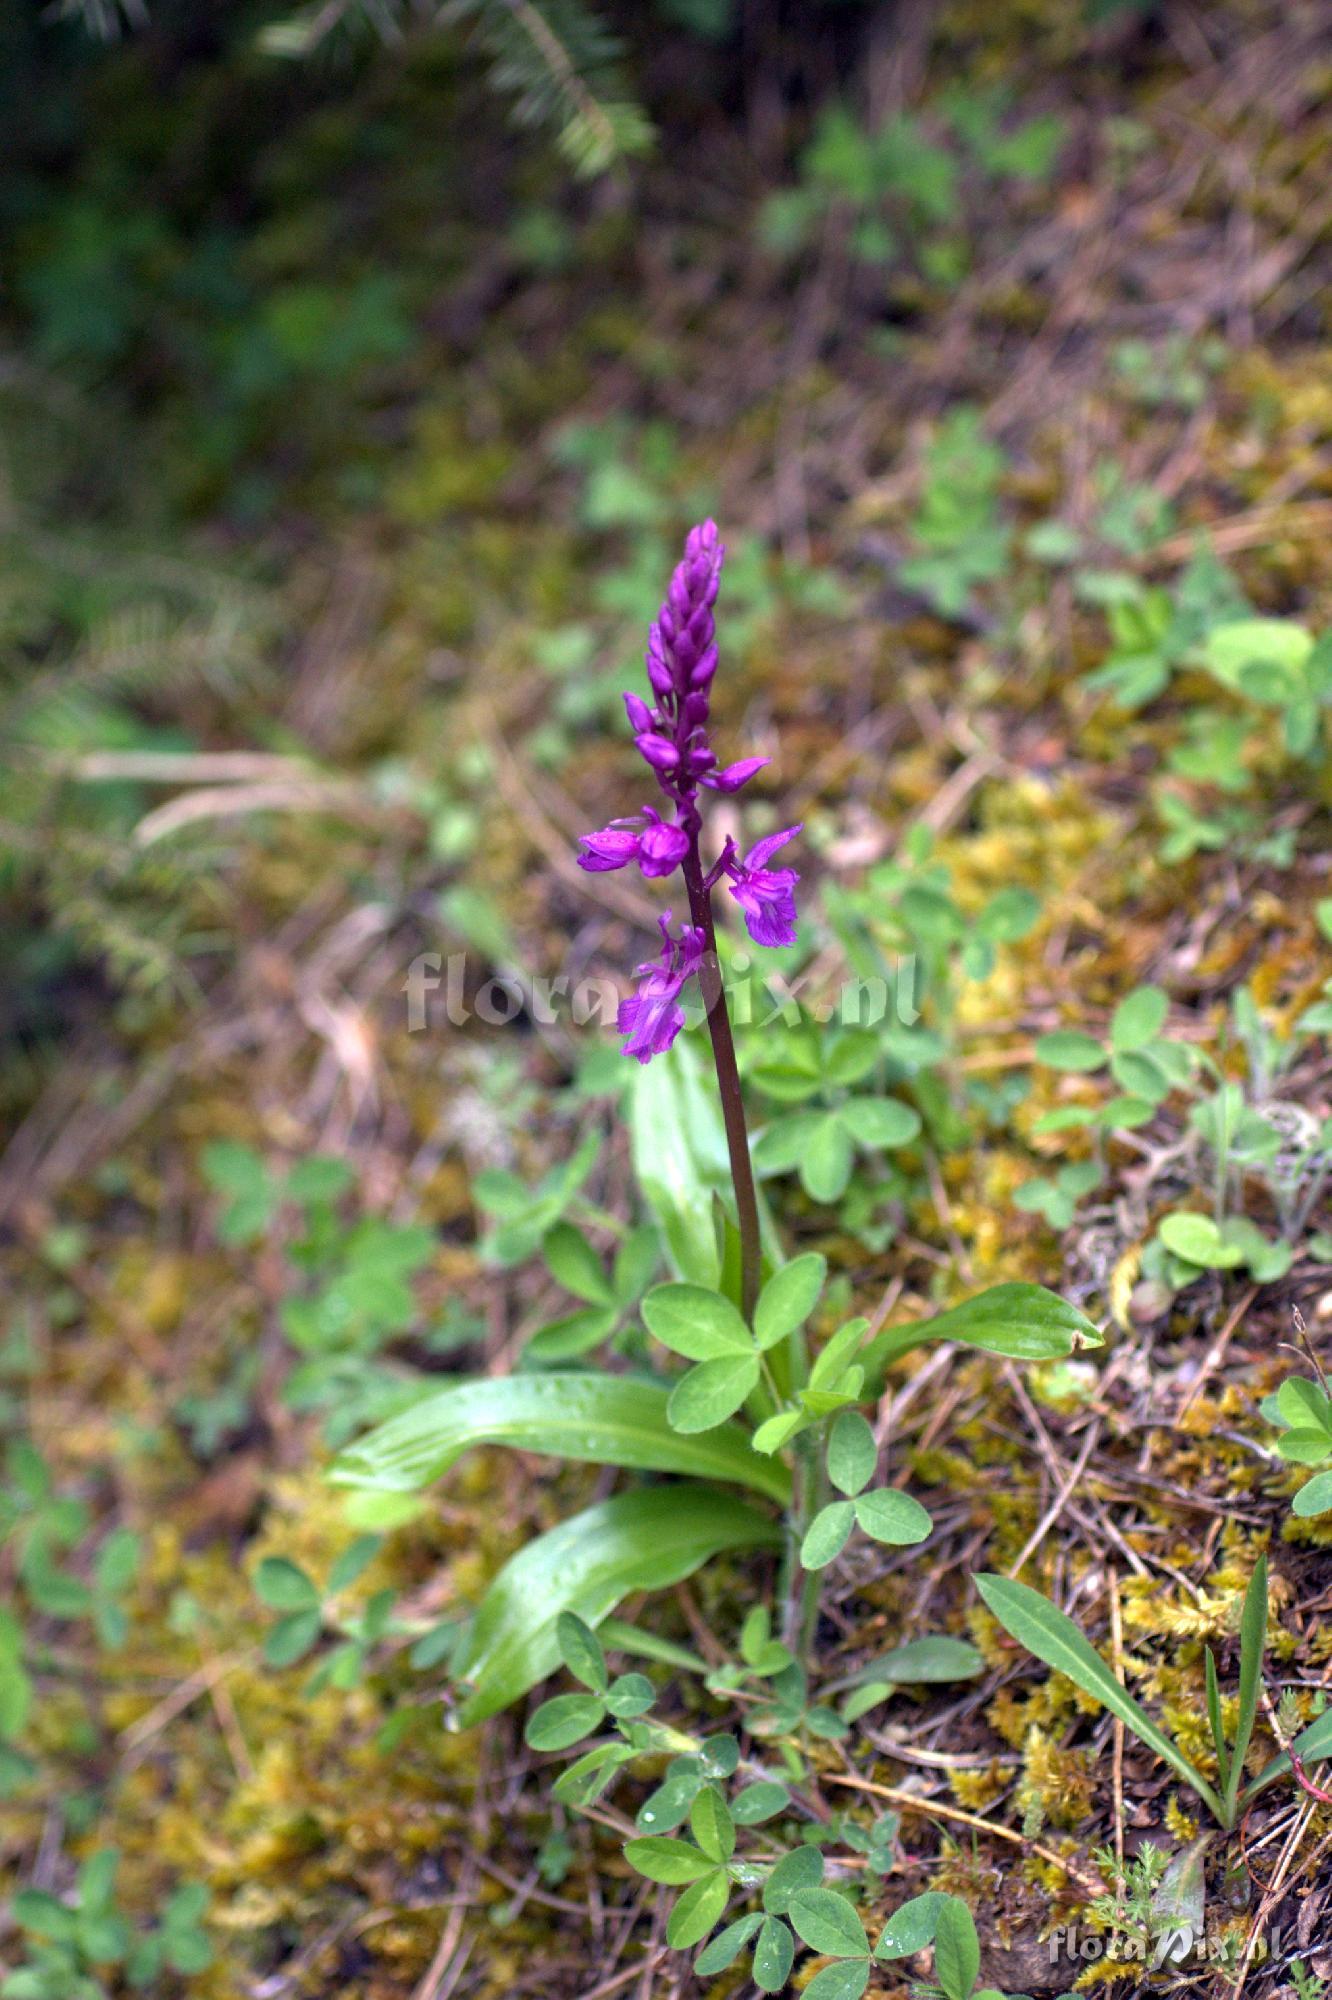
(1052, 1636)
(643, 1540)
(1023, 1322)
(1253, 1637)
(601, 1419)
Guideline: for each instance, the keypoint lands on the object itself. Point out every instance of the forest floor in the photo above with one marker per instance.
(1081, 420)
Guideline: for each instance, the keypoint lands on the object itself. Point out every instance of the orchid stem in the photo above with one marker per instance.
(728, 1079)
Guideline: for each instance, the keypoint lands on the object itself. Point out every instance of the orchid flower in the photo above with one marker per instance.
(672, 737)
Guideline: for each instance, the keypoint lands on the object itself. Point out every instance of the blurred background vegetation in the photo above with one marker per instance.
(359, 371)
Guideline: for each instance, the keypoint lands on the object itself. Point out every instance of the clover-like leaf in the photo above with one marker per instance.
(727, 1946)
(1139, 1018)
(576, 1265)
(956, 1950)
(761, 1801)
(580, 1650)
(773, 1956)
(697, 1910)
(801, 1869)
(711, 1824)
(788, 1298)
(283, 1586)
(662, 1858)
(827, 1534)
(844, 1979)
(629, 1695)
(827, 1923)
(1066, 1049)
(889, 1516)
(852, 1452)
(560, 1723)
(711, 1392)
(699, 1324)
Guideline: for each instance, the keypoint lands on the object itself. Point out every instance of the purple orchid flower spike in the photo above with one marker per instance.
(766, 895)
(647, 839)
(671, 735)
(653, 1017)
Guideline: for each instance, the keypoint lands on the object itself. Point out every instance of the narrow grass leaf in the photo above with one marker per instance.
(1052, 1636)
(1253, 1637)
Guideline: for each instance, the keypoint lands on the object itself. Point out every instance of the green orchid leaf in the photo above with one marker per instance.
(642, 1540)
(1253, 1638)
(681, 1162)
(601, 1419)
(935, 1658)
